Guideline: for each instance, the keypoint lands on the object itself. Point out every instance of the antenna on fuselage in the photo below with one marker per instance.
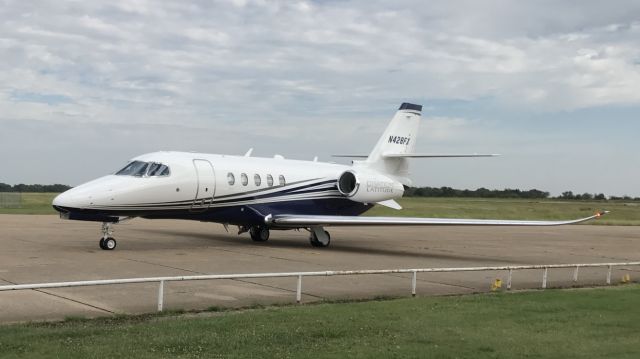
(248, 154)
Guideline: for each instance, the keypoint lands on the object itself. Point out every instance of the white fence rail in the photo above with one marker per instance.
(161, 280)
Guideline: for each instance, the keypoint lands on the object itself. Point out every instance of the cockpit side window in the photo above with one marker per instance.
(158, 169)
(153, 169)
(134, 168)
(139, 169)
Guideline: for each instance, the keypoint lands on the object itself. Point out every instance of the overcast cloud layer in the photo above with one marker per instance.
(553, 86)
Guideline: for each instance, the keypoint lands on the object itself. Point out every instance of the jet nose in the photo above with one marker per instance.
(62, 201)
(69, 200)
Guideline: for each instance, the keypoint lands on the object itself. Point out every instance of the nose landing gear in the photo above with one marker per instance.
(107, 242)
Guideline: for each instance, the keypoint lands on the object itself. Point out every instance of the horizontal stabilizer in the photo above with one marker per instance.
(286, 220)
(435, 155)
(351, 156)
(422, 155)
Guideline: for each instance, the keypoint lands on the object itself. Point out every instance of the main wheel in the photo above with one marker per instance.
(313, 239)
(102, 243)
(259, 234)
(109, 244)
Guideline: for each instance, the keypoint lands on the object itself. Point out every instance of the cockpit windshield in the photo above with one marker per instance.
(140, 169)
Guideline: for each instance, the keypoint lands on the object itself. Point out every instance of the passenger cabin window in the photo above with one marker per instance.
(244, 179)
(269, 180)
(231, 178)
(257, 180)
(140, 168)
(281, 179)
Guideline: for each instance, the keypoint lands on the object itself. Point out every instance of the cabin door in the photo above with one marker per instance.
(206, 185)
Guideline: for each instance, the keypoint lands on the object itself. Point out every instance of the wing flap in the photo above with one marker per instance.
(308, 220)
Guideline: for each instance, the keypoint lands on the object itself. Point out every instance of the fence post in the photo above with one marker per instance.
(160, 295)
(544, 278)
(509, 279)
(609, 275)
(575, 274)
(413, 283)
(299, 290)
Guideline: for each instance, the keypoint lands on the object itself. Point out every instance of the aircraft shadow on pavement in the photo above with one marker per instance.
(182, 241)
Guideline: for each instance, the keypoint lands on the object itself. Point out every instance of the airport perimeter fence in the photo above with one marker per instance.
(299, 275)
(10, 200)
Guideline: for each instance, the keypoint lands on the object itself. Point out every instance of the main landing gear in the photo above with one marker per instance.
(259, 233)
(107, 242)
(318, 237)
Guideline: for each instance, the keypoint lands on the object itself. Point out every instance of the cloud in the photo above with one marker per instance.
(201, 56)
(313, 71)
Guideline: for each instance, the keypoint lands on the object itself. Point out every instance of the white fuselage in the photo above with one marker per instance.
(226, 189)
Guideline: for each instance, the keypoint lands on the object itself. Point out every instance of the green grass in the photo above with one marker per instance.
(33, 203)
(585, 323)
(622, 213)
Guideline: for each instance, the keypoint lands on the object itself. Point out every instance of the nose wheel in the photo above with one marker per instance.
(107, 242)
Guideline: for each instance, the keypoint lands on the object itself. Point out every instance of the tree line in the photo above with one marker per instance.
(408, 192)
(56, 188)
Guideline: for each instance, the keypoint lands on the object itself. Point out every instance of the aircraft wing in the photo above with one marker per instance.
(285, 220)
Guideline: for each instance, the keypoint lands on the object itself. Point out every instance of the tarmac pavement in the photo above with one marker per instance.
(38, 249)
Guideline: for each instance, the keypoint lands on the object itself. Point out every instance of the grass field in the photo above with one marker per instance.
(622, 213)
(580, 323)
(33, 203)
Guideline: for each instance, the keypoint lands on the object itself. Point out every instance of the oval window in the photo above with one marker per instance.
(244, 179)
(269, 180)
(231, 178)
(257, 179)
(281, 179)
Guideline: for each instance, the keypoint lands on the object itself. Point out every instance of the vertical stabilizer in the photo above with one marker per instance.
(398, 138)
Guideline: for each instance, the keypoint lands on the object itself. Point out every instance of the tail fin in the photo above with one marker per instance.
(399, 139)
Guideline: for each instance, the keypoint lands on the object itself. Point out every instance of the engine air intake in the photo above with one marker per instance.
(348, 183)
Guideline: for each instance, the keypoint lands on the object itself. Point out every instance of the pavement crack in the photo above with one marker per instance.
(75, 301)
(63, 297)
(164, 266)
(276, 287)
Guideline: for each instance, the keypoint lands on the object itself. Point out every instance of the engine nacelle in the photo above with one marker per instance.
(368, 187)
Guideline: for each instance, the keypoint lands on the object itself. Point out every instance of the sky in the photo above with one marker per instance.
(552, 86)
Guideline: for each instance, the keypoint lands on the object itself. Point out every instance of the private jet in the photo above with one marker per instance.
(259, 195)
